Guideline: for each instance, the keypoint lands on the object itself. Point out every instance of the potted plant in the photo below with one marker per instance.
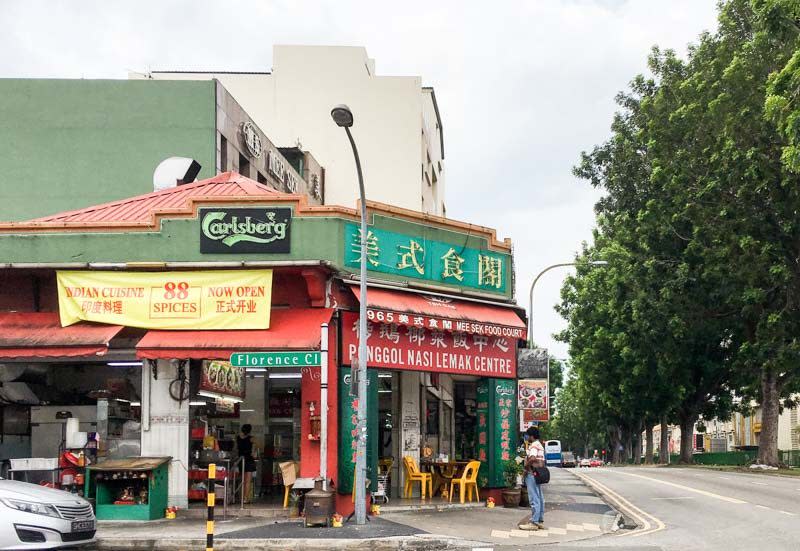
(512, 470)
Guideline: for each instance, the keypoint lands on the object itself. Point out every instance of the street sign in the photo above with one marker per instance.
(276, 359)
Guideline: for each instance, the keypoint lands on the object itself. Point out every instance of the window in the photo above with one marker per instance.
(244, 166)
(223, 154)
(261, 178)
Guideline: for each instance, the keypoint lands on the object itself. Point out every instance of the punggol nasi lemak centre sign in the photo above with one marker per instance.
(419, 258)
(245, 230)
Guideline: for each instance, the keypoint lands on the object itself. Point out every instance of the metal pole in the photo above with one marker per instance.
(530, 303)
(211, 496)
(361, 449)
(323, 405)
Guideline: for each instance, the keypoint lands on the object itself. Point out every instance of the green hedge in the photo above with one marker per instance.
(790, 457)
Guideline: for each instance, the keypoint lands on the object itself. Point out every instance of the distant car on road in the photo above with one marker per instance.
(34, 517)
(585, 462)
(568, 459)
(595, 463)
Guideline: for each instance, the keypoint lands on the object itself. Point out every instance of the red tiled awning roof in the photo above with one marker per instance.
(443, 313)
(140, 209)
(40, 335)
(294, 329)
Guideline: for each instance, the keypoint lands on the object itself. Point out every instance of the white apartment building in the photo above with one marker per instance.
(397, 126)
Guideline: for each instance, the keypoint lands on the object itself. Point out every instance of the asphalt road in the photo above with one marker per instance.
(688, 509)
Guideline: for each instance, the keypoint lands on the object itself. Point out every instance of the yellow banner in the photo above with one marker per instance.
(217, 299)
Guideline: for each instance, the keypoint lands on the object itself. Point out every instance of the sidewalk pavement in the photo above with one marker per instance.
(572, 512)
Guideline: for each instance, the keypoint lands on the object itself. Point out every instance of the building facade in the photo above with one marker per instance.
(141, 305)
(398, 127)
(85, 142)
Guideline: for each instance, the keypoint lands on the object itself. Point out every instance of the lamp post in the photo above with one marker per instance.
(533, 285)
(343, 117)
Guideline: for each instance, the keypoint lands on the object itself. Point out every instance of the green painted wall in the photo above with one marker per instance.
(313, 238)
(68, 144)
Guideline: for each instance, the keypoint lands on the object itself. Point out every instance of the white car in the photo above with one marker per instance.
(35, 517)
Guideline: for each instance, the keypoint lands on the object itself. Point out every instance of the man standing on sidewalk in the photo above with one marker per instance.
(534, 457)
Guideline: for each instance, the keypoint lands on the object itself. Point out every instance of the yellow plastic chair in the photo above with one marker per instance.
(413, 474)
(468, 481)
(289, 471)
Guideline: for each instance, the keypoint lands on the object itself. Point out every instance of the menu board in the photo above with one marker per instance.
(348, 422)
(496, 429)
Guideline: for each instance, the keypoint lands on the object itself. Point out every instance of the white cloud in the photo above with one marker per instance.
(523, 86)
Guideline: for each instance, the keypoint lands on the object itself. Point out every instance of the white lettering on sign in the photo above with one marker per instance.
(275, 164)
(458, 326)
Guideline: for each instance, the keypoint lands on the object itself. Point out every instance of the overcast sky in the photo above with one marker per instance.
(523, 87)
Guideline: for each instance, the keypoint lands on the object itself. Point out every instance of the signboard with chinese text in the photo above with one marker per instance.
(222, 381)
(215, 299)
(527, 419)
(348, 421)
(496, 429)
(419, 258)
(231, 230)
(379, 315)
(533, 398)
(420, 349)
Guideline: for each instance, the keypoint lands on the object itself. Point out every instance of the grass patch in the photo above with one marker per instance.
(736, 469)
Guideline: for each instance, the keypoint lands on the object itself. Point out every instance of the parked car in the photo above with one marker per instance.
(568, 459)
(35, 517)
(585, 462)
(595, 463)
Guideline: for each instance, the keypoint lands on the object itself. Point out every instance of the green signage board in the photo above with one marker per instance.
(276, 359)
(348, 406)
(420, 258)
(496, 429)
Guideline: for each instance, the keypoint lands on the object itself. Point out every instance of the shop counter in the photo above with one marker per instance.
(135, 488)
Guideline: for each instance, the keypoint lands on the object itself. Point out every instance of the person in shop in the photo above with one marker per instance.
(244, 446)
(534, 459)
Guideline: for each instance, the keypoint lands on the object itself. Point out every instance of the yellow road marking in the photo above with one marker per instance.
(641, 517)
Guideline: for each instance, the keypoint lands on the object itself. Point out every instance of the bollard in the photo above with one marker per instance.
(212, 475)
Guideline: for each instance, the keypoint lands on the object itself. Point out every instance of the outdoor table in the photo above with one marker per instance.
(443, 472)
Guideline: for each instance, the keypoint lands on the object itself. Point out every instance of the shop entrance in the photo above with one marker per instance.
(271, 411)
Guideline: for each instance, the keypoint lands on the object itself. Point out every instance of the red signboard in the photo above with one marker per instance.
(445, 324)
(391, 346)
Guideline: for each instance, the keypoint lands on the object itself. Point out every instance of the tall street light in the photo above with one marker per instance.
(343, 117)
(530, 310)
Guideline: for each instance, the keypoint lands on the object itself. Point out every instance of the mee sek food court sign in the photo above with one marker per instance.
(216, 299)
(415, 348)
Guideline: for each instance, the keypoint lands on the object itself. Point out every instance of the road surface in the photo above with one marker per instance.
(686, 509)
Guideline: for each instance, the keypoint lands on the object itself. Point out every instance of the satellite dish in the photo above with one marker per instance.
(175, 171)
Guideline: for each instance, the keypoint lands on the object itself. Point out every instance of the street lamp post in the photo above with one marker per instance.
(533, 285)
(343, 117)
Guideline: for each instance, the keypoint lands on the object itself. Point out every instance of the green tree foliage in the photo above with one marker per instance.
(700, 221)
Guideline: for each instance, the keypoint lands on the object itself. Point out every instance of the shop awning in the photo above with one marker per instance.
(441, 313)
(292, 329)
(40, 335)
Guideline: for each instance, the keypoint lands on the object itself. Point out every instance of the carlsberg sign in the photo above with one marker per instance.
(245, 230)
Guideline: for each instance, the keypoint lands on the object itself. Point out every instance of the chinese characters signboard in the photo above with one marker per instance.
(421, 349)
(348, 421)
(222, 380)
(419, 258)
(532, 397)
(245, 230)
(496, 429)
(217, 299)
(445, 324)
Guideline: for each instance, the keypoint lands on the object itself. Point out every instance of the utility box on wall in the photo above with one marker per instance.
(496, 429)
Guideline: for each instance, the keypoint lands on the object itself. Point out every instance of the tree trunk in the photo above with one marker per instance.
(770, 411)
(663, 450)
(628, 445)
(615, 455)
(637, 447)
(687, 439)
(648, 447)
